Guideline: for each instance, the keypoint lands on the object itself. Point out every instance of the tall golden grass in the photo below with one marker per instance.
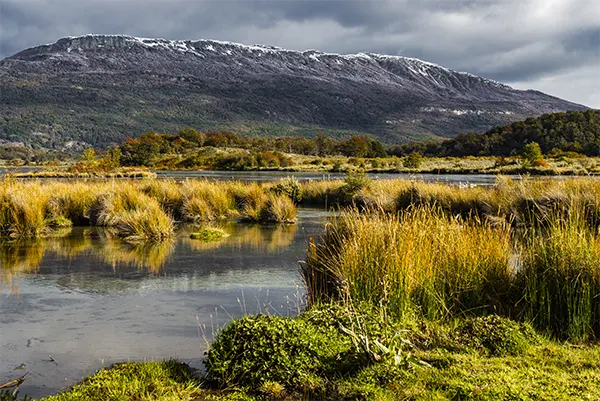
(428, 262)
(134, 210)
(420, 260)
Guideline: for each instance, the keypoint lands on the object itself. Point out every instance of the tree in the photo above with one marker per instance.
(89, 155)
(141, 152)
(355, 146)
(532, 153)
(414, 160)
(112, 158)
(325, 145)
(376, 149)
(191, 135)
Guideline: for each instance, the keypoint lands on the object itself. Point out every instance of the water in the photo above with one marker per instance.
(477, 179)
(90, 300)
(453, 179)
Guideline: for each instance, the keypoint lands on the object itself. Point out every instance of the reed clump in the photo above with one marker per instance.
(205, 201)
(23, 210)
(169, 195)
(73, 201)
(417, 261)
(426, 262)
(133, 215)
(561, 278)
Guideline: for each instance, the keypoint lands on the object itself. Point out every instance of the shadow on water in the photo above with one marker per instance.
(89, 298)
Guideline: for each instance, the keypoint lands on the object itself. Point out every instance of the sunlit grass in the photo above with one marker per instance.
(148, 381)
(420, 260)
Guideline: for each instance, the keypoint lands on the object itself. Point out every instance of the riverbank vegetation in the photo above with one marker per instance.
(134, 210)
(149, 210)
(569, 144)
(336, 353)
(420, 302)
(415, 291)
(230, 159)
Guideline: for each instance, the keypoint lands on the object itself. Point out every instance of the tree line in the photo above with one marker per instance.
(148, 149)
(572, 131)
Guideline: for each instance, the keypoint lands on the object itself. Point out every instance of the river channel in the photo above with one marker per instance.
(73, 304)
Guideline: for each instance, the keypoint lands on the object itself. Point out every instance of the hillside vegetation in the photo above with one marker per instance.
(573, 131)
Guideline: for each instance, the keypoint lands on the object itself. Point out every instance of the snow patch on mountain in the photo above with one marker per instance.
(198, 48)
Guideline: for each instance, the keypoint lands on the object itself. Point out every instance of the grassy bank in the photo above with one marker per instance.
(522, 202)
(148, 210)
(337, 353)
(134, 210)
(84, 175)
(427, 263)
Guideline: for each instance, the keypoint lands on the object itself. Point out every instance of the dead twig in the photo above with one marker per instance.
(15, 383)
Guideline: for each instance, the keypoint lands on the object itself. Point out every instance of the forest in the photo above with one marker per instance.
(572, 131)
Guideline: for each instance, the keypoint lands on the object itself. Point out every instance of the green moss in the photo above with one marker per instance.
(156, 381)
(209, 234)
(258, 349)
(59, 222)
(494, 335)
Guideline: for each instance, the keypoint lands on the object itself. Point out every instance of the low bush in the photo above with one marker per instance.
(258, 349)
(495, 335)
(291, 187)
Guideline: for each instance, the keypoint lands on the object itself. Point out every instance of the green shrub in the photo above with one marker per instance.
(496, 336)
(353, 184)
(291, 187)
(531, 154)
(413, 160)
(259, 349)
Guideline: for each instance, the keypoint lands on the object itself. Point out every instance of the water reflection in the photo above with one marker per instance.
(89, 297)
(254, 236)
(18, 257)
(100, 245)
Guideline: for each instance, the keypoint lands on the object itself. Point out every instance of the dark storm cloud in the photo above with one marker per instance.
(508, 40)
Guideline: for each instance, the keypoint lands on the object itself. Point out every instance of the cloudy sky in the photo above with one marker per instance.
(548, 45)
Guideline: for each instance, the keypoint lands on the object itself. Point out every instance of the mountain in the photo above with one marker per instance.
(101, 88)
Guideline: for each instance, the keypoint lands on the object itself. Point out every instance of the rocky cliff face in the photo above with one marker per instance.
(101, 88)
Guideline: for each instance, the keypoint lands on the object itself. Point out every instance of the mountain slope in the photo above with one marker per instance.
(101, 88)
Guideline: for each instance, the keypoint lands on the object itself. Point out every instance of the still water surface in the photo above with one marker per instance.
(89, 299)
(479, 179)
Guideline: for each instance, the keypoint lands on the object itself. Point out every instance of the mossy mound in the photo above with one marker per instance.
(265, 352)
(162, 380)
(209, 234)
(496, 336)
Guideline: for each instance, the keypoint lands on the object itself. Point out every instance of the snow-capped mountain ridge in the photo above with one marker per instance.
(114, 86)
(201, 46)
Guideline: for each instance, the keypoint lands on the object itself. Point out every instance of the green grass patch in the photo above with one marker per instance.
(147, 381)
(333, 352)
(209, 234)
